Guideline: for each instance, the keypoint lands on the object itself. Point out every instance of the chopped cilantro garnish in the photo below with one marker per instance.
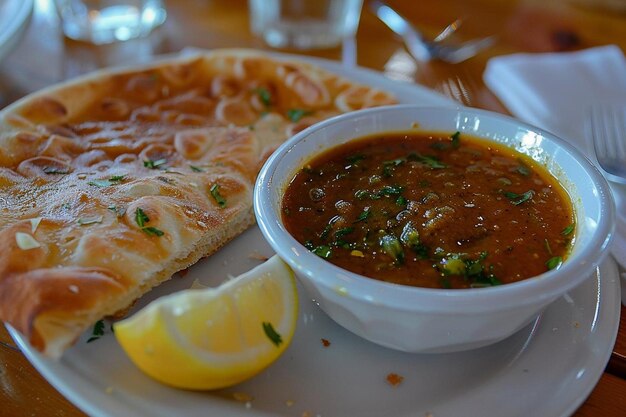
(554, 262)
(568, 230)
(323, 251)
(148, 163)
(141, 217)
(106, 183)
(215, 193)
(390, 190)
(265, 95)
(430, 161)
(354, 159)
(343, 231)
(97, 332)
(296, 114)
(272, 334)
(456, 139)
(517, 199)
(410, 236)
(152, 231)
(395, 162)
(392, 247)
(364, 214)
(401, 201)
(326, 231)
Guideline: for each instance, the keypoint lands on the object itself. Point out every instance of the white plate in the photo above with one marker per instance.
(14, 17)
(546, 369)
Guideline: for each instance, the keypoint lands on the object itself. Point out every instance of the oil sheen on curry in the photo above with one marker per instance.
(437, 210)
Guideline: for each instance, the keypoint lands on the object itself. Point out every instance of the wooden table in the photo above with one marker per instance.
(43, 57)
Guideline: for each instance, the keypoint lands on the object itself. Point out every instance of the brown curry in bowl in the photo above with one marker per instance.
(431, 210)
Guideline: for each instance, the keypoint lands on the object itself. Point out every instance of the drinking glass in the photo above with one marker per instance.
(107, 21)
(304, 24)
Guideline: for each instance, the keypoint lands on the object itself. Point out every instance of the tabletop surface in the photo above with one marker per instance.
(43, 57)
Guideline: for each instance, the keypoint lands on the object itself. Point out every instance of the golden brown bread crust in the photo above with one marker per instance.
(119, 179)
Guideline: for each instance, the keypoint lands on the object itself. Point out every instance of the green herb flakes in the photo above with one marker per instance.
(568, 230)
(517, 199)
(456, 139)
(410, 235)
(390, 190)
(296, 114)
(215, 193)
(152, 231)
(392, 247)
(554, 262)
(430, 161)
(323, 251)
(343, 231)
(195, 168)
(141, 217)
(148, 163)
(116, 179)
(272, 334)
(97, 331)
(364, 215)
(264, 95)
(355, 159)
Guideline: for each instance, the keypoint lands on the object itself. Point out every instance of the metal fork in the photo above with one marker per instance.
(423, 49)
(607, 123)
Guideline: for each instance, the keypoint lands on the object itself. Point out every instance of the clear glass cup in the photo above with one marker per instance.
(304, 24)
(108, 21)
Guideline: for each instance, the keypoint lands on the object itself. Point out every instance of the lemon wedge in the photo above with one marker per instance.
(215, 337)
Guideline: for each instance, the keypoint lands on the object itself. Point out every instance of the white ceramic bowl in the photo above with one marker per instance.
(436, 320)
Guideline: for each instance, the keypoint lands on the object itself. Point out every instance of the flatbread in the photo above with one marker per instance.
(111, 183)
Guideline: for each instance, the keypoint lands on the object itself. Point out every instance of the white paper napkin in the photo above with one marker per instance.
(554, 91)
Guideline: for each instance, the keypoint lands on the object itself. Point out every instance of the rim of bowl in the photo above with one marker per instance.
(547, 285)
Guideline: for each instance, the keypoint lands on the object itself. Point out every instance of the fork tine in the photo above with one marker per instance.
(461, 87)
(608, 131)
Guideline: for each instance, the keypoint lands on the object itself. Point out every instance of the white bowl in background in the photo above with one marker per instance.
(437, 320)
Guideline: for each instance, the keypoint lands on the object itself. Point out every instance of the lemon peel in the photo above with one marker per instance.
(215, 337)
